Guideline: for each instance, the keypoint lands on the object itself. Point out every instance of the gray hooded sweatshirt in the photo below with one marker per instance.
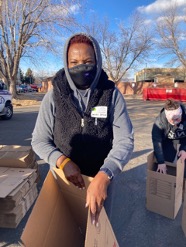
(123, 142)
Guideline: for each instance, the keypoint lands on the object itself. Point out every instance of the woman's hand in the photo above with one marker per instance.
(73, 174)
(162, 168)
(182, 155)
(96, 195)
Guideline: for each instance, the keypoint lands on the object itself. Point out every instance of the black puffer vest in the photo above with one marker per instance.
(86, 145)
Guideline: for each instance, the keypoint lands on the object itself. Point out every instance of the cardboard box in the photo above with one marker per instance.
(17, 156)
(184, 213)
(18, 191)
(164, 191)
(13, 198)
(59, 218)
(11, 218)
(11, 178)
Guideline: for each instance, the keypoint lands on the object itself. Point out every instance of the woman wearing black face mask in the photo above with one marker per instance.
(82, 64)
(83, 122)
(83, 75)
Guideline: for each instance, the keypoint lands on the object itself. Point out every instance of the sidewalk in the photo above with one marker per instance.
(28, 99)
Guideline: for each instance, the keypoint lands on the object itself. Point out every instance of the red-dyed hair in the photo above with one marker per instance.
(80, 39)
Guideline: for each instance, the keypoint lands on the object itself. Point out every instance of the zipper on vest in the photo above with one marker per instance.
(82, 122)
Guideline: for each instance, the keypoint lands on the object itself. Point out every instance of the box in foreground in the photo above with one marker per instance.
(59, 218)
(164, 191)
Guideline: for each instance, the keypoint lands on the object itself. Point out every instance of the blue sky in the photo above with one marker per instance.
(115, 10)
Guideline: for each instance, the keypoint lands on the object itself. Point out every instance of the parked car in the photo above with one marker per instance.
(24, 87)
(19, 89)
(34, 87)
(29, 88)
(6, 107)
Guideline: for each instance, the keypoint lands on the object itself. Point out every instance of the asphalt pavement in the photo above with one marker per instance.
(133, 224)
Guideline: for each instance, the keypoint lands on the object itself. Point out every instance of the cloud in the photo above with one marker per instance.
(182, 36)
(178, 19)
(64, 9)
(74, 9)
(160, 5)
(148, 22)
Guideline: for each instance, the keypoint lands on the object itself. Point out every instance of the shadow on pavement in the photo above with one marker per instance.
(133, 224)
(139, 153)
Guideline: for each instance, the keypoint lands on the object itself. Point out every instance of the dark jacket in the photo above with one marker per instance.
(165, 137)
(84, 139)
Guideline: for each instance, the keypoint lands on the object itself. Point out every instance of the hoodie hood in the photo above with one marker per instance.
(98, 61)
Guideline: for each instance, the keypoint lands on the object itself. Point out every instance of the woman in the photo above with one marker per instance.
(83, 126)
(168, 131)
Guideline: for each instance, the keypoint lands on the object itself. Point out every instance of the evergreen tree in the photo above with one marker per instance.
(21, 74)
(29, 78)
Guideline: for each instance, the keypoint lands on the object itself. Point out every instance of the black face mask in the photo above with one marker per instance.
(83, 75)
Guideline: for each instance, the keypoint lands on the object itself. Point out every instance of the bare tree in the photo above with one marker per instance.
(29, 24)
(123, 48)
(171, 28)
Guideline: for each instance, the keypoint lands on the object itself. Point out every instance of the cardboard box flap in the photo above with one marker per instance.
(180, 172)
(51, 223)
(73, 194)
(67, 187)
(10, 178)
(170, 164)
(101, 236)
(150, 161)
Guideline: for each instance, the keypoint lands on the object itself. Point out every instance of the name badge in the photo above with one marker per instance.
(99, 112)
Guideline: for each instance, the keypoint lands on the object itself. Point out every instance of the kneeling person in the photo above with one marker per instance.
(169, 130)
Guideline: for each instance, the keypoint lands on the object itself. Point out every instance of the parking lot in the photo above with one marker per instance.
(133, 224)
(26, 88)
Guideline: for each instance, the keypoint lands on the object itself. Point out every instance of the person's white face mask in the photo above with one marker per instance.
(174, 116)
(175, 120)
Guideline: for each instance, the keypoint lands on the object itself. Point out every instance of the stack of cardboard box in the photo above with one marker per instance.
(17, 156)
(18, 183)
